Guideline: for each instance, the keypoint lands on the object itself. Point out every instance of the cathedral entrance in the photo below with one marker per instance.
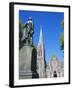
(55, 74)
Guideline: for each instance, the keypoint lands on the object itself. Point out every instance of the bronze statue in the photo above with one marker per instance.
(26, 33)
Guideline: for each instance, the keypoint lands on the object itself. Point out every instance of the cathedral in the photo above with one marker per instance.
(54, 68)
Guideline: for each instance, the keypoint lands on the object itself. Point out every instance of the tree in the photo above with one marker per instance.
(62, 41)
(21, 26)
(20, 32)
(62, 24)
(62, 37)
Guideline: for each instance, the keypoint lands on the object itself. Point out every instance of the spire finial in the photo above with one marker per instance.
(40, 37)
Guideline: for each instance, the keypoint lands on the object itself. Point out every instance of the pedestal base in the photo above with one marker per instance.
(27, 75)
(27, 63)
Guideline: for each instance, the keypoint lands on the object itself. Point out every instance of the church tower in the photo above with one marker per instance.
(40, 57)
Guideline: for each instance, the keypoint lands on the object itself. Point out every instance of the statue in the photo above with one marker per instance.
(27, 33)
(27, 53)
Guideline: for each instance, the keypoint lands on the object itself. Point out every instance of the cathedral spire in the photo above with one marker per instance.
(40, 56)
(40, 47)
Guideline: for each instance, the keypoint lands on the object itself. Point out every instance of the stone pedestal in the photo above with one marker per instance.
(25, 63)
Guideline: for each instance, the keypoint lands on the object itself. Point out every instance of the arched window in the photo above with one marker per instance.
(39, 52)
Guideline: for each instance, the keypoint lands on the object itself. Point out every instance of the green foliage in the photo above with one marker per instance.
(62, 24)
(21, 26)
(62, 41)
(53, 55)
(62, 37)
(34, 47)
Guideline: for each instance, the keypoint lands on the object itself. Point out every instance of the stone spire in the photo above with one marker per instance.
(40, 57)
(40, 43)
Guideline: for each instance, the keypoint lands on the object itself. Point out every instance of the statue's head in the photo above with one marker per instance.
(30, 18)
(30, 25)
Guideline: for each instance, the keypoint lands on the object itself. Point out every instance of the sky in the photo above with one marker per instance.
(50, 22)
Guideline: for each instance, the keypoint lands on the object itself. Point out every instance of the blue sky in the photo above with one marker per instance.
(51, 28)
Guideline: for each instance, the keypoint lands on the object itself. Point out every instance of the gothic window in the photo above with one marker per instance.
(59, 74)
(50, 74)
(40, 51)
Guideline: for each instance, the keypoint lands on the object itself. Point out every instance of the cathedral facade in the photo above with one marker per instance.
(54, 68)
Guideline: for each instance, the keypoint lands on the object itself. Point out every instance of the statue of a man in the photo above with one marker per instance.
(28, 32)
